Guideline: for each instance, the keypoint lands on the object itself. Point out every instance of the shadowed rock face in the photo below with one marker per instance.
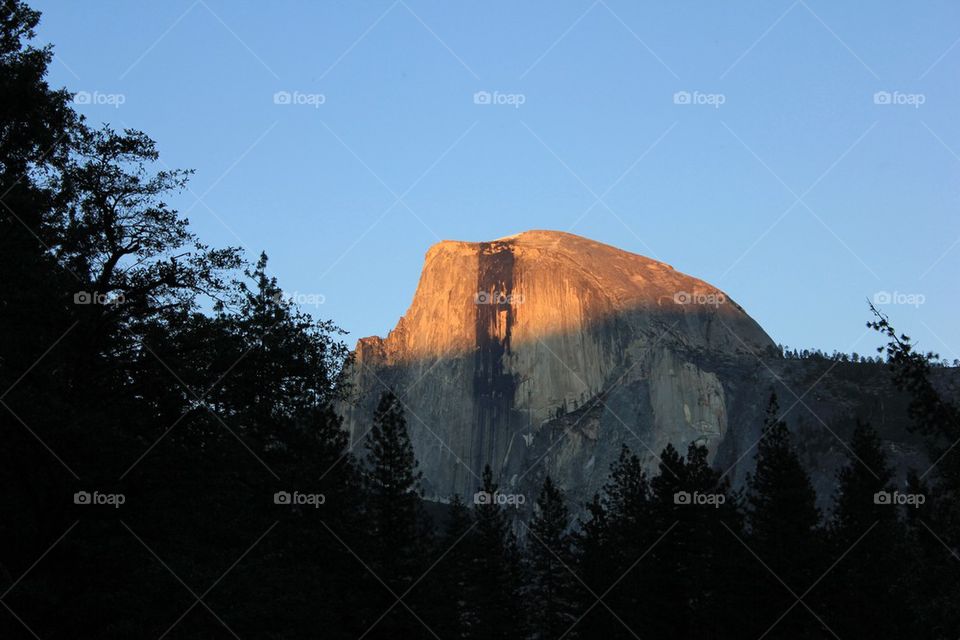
(494, 384)
(545, 351)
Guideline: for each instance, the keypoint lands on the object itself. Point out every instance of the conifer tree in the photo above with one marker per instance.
(668, 567)
(613, 548)
(552, 589)
(596, 559)
(395, 518)
(938, 419)
(449, 583)
(865, 591)
(695, 567)
(493, 602)
(714, 559)
(783, 529)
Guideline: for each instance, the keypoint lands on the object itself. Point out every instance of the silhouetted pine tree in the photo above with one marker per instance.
(714, 559)
(449, 582)
(595, 561)
(614, 548)
(783, 532)
(937, 524)
(395, 518)
(493, 600)
(669, 564)
(552, 591)
(864, 593)
(930, 575)
(696, 565)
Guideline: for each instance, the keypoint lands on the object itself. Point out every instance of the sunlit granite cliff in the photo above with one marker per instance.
(545, 351)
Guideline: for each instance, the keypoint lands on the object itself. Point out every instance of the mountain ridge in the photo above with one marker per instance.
(628, 281)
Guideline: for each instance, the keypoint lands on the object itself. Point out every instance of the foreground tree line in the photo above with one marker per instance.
(679, 554)
(173, 465)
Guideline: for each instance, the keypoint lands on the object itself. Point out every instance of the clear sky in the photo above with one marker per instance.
(779, 175)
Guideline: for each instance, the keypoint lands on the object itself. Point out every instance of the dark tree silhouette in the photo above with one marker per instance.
(450, 581)
(493, 598)
(397, 530)
(614, 549)
(783, 530)
(552, 591)
(935, 530)
(863, 592)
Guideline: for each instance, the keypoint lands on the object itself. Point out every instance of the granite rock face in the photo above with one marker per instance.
(544, 352)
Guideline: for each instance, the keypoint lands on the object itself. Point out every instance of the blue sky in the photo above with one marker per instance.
(746, 146)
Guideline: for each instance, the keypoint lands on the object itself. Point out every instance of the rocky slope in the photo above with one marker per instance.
(545, 351)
